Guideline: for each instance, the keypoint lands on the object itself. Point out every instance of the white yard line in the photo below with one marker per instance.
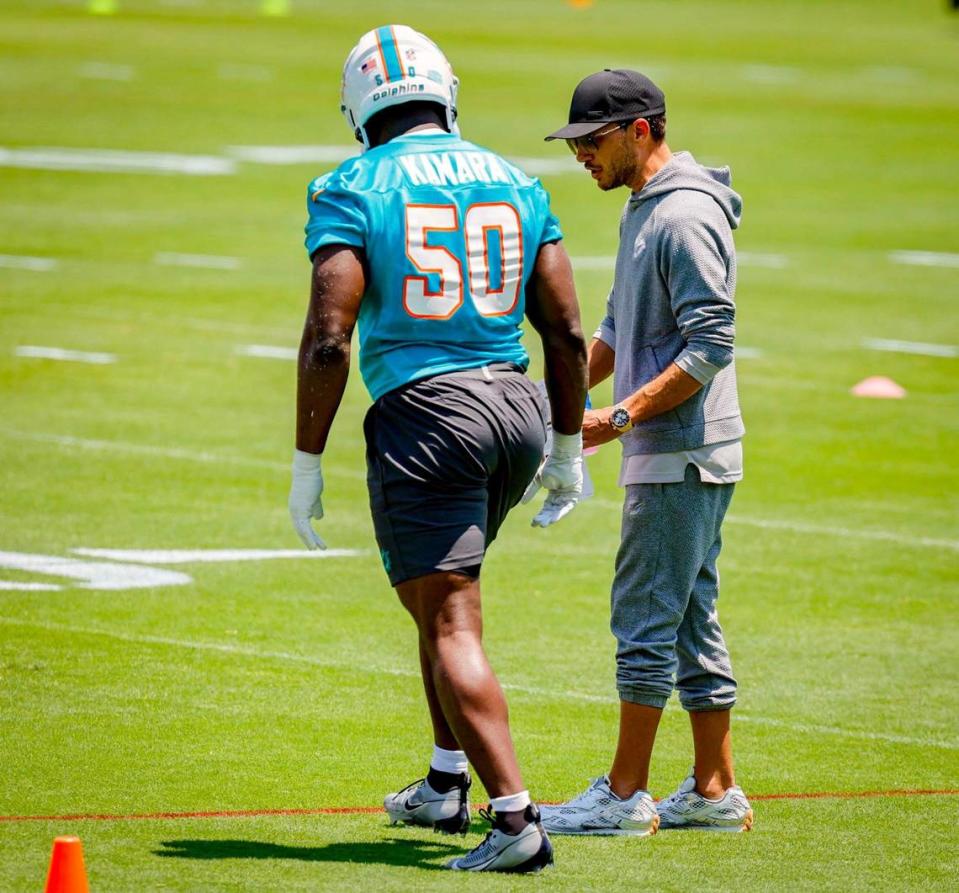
(115, 161)
(771, 74)
(281, 155)
(267, 351)
(201, 261)
(747, 353)
(213, 556)
(546, 694)
(914, 347)
(887, 536)
(238, 72)
(139, 449)
(66, 441)
(59, 353)
(546, 167)
(743, 258)
(106, 71)
(762, 259)
(10, 586)
(319, 154)
(816, 729)
(925, 258)
(94, 574)
(25, 262)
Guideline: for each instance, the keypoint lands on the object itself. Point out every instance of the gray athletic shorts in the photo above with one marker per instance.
(447, 458)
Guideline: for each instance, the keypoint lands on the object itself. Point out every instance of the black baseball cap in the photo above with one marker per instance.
(610, 95)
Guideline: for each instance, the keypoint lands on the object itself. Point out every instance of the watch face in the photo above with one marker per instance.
(620, 418)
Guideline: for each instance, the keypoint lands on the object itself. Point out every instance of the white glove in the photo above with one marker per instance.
(305, 497)
(562, 475)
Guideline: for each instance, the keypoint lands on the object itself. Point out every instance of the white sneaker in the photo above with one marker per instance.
(689, 809)
(419, 804)
(523, 853)
(599, 811)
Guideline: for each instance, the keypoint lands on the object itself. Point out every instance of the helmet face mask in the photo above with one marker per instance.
(392, 65)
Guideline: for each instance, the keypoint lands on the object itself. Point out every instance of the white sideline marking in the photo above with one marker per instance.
(914, 347)
(106, 71)
(7, 585)
(95, 574)
(847, 733)
(24, 262)
(925, 258)
(892, 74)
(260, 73)
(267, 351)
(115, 161)
(292, 154)
(747, 353)
(208, 556)
(771, 74)
(761, 259)
(743, 259)
(140, 449)
(542, 693)
(545, 167)
(202, 261)
(58, 353)
(283, 155)
(819, 529)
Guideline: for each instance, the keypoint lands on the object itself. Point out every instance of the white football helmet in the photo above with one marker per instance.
(391, 65)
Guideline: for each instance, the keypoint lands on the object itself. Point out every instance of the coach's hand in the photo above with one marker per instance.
(306, 494)
(562, 476)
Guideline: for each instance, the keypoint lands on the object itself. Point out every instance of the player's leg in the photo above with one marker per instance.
(446, 609)
(428, 488)
(443, 736)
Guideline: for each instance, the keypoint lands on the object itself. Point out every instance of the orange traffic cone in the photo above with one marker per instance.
(67, 874)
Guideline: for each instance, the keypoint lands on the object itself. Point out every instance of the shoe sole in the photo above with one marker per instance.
(543, 858)
(457, 824)
(745, 825)
(609, 832)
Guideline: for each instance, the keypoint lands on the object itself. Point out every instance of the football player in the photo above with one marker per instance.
(436, 248)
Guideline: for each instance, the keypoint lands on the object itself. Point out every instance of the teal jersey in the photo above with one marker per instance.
(450, 232)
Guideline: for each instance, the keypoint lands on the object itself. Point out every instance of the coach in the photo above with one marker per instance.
(667, 339)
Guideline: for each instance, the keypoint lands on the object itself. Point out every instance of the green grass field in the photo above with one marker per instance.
(291, 684)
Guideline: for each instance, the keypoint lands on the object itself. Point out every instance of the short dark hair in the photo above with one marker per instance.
(657, 127)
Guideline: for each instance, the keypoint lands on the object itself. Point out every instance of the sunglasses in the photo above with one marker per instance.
(588, 143)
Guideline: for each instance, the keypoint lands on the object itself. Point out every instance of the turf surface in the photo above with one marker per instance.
(291, 684)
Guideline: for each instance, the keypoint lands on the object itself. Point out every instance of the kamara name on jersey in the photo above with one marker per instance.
(453, 168)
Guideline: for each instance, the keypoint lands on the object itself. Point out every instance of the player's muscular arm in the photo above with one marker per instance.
(670, 388)
(553, 310)
(337, 288)
(601, 357)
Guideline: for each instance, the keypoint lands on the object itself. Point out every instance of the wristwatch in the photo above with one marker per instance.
(620, 420)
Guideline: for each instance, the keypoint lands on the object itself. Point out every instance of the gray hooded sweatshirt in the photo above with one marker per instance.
(672, 302)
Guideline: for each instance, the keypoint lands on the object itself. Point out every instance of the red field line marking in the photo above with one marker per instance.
(369, 810)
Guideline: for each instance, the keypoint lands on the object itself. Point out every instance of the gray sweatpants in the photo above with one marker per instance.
(664, 596)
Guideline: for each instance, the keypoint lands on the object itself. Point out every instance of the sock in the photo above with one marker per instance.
(512, 803)
(511, 811)
(453, 762)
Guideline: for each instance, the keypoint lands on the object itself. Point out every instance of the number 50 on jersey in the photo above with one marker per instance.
(488, 229)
